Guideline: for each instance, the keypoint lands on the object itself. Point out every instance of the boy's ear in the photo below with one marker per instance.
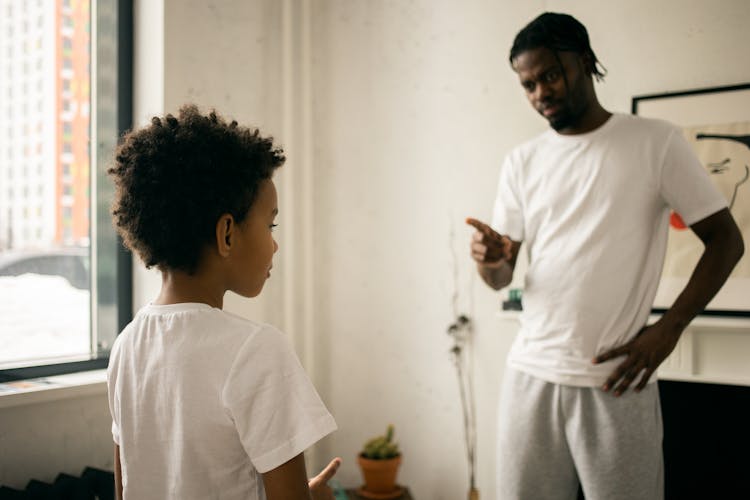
(225, 228)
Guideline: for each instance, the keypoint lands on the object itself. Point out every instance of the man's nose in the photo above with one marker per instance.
(542, 92)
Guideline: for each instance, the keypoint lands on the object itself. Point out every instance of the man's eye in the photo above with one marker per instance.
(551, 76)
(272, 226)
(529, 86)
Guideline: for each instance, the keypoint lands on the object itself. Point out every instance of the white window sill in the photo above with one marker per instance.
(42, 390)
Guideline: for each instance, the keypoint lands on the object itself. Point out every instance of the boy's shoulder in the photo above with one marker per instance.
(198, 318)
(246, 325)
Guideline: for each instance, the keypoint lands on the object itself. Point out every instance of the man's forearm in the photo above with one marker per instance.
(496, 277)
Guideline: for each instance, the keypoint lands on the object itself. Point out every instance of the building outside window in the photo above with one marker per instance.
(62, 300)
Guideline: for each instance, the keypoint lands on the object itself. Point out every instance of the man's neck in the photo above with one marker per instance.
(595, 117)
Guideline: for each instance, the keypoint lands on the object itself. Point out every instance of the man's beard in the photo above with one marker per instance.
(568, 116)
(560, 122)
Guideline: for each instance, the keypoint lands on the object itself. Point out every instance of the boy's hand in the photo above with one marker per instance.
(319, 488)
(488, 247)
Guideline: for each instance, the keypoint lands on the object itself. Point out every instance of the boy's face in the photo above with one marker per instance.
(253, 257)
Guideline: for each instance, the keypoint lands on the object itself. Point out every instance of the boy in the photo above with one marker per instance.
(206, 404)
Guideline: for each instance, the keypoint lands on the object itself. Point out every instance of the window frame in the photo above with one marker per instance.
(123, 258)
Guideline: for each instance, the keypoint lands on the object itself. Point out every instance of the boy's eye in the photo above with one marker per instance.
(272, 226)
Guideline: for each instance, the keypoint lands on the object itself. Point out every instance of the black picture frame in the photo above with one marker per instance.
(722, 109)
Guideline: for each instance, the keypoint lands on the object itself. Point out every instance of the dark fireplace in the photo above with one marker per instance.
(706, 440)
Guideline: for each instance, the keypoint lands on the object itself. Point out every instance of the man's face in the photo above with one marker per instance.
(556, 88)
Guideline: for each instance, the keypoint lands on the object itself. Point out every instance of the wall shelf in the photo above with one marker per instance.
(713, 349)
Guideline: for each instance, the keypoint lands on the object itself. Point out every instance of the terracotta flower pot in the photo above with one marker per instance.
(379, 475)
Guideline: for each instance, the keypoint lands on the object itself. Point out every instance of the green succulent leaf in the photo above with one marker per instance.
(381, 447)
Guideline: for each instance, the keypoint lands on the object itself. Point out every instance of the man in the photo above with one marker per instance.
(590, 199)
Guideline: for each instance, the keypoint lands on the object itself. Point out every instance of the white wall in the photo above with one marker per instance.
(41, 440)
(395, 115)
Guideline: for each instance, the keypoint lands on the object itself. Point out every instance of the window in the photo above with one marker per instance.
(64, 278)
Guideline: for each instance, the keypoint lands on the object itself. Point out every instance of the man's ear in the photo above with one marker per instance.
(225, 233)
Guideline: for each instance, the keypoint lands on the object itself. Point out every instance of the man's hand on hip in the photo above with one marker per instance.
(643, 355)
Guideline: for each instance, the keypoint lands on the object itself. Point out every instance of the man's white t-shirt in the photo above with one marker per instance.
(593, 213)
(203, 402)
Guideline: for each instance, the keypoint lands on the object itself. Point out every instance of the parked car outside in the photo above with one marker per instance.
(72, 263)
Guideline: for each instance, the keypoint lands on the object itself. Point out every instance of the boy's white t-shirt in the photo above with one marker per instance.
(203, 402)
(593, 213)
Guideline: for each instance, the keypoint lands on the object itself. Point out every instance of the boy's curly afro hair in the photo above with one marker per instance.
(177, 176)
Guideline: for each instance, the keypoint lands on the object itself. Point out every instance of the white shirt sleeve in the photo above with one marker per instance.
(685, 184)
(114, 403)
(507, 215)
(275, 408)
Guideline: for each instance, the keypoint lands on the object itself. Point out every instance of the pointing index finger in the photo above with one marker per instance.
(483, 228)
(488, 232)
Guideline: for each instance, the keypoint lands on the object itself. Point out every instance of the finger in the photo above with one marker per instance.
(478, 248)
(487, 256)
(616, 375)
(501, 243)
(612, 353)
(480, 257)
(630, 375)
(328, 473)
(484, 228)
(506, 249)
(644, 379)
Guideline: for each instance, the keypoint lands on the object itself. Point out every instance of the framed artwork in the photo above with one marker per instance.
(716, 122)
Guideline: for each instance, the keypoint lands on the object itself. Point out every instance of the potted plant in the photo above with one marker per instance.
(379, 462)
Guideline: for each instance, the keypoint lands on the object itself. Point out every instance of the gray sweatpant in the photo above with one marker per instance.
(552, 436)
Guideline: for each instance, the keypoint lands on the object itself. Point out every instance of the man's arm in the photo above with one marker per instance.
(495, 254)
(723, 248)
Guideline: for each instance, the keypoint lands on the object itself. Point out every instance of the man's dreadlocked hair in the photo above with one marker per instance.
(177, 176)
(558, 33)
